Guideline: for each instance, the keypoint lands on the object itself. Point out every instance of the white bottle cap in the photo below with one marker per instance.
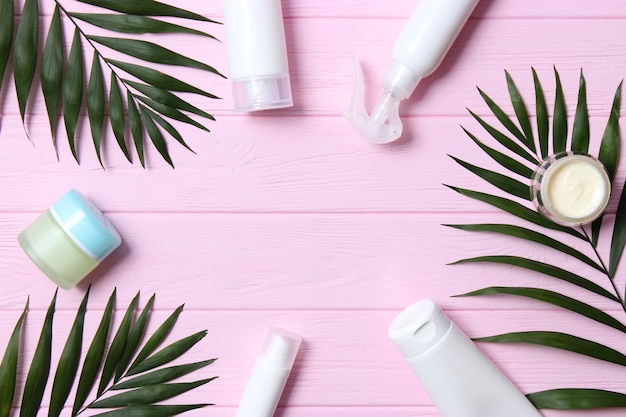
(262, 93)
(270, 373)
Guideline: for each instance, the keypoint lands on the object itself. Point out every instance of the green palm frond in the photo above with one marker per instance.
(149, 103)
(124, 389)
(523, 145)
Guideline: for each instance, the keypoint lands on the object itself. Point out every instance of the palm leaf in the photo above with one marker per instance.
(561, 341)
(577, 399)
(556, 299)
(62, 77)
(8, 367)
(155, 135)
(566, 398)
(580, 132)
(546, 269)
(542, 116)
(129, 396)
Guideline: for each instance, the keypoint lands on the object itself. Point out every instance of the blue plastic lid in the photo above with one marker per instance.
(86, 225)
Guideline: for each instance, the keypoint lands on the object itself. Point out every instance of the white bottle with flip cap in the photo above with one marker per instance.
(458, 377)
(418, 51)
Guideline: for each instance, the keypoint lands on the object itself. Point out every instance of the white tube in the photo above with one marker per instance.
(269, 375)
(458, 377)
(257, 54)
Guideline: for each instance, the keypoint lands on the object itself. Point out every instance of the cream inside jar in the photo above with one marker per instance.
(571, 189)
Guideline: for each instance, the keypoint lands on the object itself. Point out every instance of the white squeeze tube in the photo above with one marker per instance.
(458, 377)
(257, 54)
(269, 375)
(418, 51)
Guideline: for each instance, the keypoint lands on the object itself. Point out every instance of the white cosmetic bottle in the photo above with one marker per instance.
(458, 377)
(269, 375)
(418, 51)
(257, 54)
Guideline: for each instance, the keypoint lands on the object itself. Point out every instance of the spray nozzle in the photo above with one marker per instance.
(383, 125)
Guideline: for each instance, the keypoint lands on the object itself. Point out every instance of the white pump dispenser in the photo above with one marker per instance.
(460, 379)
(418, 51)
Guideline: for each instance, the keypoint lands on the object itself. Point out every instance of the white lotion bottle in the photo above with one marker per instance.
(417, 52)
(458, 377)
(257, 54)
(269, 375)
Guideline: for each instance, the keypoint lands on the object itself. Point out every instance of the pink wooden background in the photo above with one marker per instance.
(288, 218)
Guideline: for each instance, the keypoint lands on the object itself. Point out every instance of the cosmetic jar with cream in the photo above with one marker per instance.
(69, 239)
(571, 189)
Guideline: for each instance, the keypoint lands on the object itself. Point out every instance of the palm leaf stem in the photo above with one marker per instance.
(605, 272)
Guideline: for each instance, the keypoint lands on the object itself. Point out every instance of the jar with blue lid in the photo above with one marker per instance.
(69, 240)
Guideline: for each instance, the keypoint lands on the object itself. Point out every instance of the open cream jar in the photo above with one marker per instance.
(571, 188)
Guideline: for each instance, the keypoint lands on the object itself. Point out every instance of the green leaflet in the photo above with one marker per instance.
(546, 269)
(94, 356)
(504, 139)
(151, 52)
(502, 117)
(503, 182)
(171, 112)
(504, 160)
(116, 116)
(618, 239)
(52, 68)
(117, 346)
(530, 235)
(516, 209)
(7, 13)
(556, 299)
(151, 410)
(126, 23)
(158, 79)
(147, 8)
(155, 135)
(168, 353)
(542, 116)
(609, 150)
(522, 115)
(148, 395)
(68, 362)
(136, 127)
(25, 52)
(561, 341)
(39, 370)
(577, 399)
(162, 375)
(580, 131)
(73, 91)
(8, 366)
(559, 123)
(157, 337)
(168, 127)
(165, 97)
(134, 337)
(95, 105)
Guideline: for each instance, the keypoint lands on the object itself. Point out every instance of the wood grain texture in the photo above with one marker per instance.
(289, 219)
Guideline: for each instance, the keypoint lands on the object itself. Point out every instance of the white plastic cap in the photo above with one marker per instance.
(262, 93)
(418, 328)
(280, 348)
